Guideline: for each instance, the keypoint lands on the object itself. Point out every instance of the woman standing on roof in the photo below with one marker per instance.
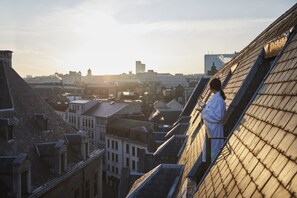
(212, 114)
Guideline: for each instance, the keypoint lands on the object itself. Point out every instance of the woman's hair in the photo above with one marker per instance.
(216, 85)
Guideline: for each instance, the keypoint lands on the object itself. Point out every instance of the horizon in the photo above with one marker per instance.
(108, 37)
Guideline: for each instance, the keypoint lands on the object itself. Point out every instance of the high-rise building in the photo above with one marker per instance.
(214, 62)
(140, 67)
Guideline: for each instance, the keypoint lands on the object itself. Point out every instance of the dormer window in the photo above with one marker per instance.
(6, 129)
(41, 120)
(54, 154)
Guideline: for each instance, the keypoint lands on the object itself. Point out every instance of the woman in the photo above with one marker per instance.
(212, 114)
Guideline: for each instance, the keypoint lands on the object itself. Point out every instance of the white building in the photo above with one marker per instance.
(124, 140)
(76, 109)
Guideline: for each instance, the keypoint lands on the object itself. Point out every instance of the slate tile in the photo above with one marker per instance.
(292, 151)
(290, 86)
(285, 119)
(243, 184)
(271, 157)
(293, 76)
(239, 173)
(287, 173)
(264, 152)
(262, 178)
(291, 125)
(270, 187)
(230, 186)
(278, 137)
(278, 165)
(252, 164)
(293, 185)
(257, 193)
(258, 147)
(284, 102)
(271, 115)
(234, 192)
(250, 190)
(222, 193)
(286, 142)
(270, 135)
(265, 130)
(279, 118)
(281, 192)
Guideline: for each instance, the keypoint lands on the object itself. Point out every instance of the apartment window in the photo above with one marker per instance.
(112, 144)
(116, 170)
(108, 143)
(116, 145)
(9, 133)
(92, 122)
(116, 158)
(112, 156)
(108, 155)
(95, 184)
(127, 148)
(108, 167)
(133, 165)
(127, 162)
(112, 169)
(133, 151)
(138, 151)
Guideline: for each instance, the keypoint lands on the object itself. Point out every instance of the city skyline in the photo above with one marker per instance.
(109, 36)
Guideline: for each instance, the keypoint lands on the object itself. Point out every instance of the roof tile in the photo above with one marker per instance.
(270, 187)
(281, 192)
(288, 173)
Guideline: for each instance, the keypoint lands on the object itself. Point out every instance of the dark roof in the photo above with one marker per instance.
(5, 98)
(131, 129)
(261, 159)
(165, 176)
(106, 109)
(26, 131)
(172, 146)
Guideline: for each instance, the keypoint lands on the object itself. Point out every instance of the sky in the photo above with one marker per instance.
(108, 36)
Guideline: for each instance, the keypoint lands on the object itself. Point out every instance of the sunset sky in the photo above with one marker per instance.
(108, 36)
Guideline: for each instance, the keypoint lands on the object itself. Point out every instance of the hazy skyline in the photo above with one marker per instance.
(108, 36)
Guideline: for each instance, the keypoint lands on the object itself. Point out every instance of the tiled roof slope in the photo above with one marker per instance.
(263, 158)
(26, 131)
(106, 109)
(232, 75)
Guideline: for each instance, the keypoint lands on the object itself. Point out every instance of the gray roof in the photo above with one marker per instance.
(159, 182)
(106, 109)
(134, 130)
(5, 98)
(172, 146)
(26, 132)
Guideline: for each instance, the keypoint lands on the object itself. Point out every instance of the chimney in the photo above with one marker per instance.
(5, 55)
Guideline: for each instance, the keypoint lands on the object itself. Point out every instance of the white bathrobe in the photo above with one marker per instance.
(212, 116)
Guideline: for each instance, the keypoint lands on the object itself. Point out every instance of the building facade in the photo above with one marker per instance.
(124, 141)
